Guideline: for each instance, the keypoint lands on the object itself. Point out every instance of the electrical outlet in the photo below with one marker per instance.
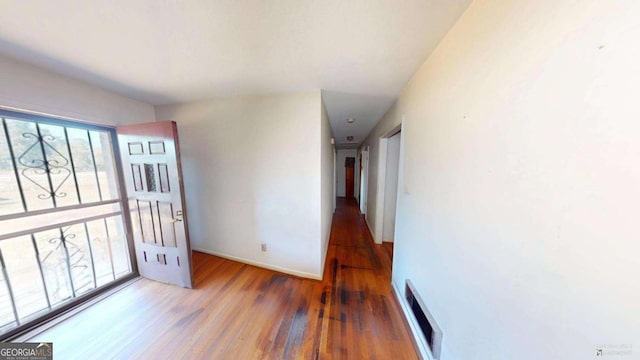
(263, 247)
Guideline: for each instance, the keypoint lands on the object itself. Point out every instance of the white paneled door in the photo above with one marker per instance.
(152, 172)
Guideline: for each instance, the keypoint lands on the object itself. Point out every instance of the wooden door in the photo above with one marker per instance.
(153, 177)
(349, 177)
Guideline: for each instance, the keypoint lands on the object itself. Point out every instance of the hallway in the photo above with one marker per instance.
(358, 277)
(244, 312)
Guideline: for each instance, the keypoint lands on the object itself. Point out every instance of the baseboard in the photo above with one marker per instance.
(324, 252)
(418, 342)
(262, 265)
(369, 229)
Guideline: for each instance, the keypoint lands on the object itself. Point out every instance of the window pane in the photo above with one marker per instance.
(80, 258)
(24, 276)
(54, 255)
(29, 158)
(10, 201)
(61, 169)
(7, 318)
(101, 251)
(105, 164)
(54, 265)
(119, 246)
(83, 162)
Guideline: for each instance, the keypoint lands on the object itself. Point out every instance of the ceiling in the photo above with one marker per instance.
(360, 52)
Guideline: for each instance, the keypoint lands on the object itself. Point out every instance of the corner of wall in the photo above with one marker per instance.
(327, 184)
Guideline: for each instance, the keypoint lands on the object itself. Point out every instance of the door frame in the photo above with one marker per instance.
(353, 178)
(356, 177)
(364, 180)
(335, 179)
(382, 178)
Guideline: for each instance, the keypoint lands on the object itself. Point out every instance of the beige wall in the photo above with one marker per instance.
(518, 207)
(252, 169)
(26, 87)
(327, 172)
(258, 169)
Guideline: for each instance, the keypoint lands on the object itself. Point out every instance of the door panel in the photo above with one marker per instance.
(349, 165)
(349, 182)
(153, 178)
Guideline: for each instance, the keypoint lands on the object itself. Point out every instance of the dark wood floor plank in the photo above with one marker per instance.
(238, 311)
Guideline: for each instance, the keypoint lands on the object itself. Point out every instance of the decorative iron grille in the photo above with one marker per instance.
(61, 219)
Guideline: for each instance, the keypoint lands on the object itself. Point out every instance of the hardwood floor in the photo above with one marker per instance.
(238, 311)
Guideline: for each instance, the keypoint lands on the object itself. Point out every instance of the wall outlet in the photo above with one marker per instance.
(263, 247)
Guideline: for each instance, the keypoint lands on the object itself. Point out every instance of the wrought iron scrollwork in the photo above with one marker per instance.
(43, 165)
(74, 262)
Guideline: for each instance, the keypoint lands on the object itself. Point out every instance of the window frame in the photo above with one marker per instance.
(126, 218)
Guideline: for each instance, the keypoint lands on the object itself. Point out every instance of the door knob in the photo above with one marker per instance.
(178, 216)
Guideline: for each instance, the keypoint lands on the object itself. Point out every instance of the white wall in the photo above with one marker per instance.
(518, 211)
(252, 168)
(341, 172)
(327, 154)
(27, 87)
(391, 187)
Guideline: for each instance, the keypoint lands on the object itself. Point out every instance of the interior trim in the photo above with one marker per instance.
(261, 264)
(418, 340)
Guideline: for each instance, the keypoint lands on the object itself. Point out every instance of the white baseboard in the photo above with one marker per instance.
(324, 252)
(369, 228)
(418, 339)
(262, 265)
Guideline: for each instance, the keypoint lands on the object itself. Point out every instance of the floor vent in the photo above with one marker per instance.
(432, 335)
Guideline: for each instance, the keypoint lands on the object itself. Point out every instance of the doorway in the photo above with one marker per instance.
(389, 169)
(345, 160)
(349, 169)
(391, 188)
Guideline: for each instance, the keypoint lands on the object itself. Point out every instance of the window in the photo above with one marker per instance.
(62, 225)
